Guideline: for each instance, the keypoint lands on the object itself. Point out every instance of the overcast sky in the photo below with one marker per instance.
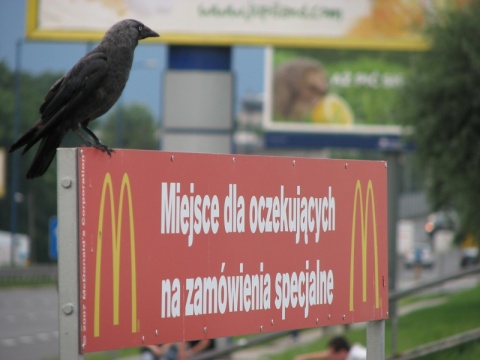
(145, 81)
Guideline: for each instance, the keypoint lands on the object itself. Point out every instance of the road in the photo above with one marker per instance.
(29, 319)
(29, 323)
(445, 264)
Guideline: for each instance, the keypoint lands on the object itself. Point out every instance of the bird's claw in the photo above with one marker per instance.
(104, 148)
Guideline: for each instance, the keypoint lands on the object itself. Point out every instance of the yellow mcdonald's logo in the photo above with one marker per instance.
(364, 213)
(116, 222)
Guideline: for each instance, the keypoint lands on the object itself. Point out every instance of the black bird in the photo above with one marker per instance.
(86, 92)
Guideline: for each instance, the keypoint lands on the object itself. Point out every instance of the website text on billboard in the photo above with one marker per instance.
(275, 10)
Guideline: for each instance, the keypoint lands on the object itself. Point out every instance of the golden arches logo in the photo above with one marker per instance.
(364, 213)
(116, 222)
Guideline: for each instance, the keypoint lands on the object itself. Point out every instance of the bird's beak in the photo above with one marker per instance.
(147, 32)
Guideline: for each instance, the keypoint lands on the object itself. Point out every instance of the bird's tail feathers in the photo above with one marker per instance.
(45, 153)
(26, 139)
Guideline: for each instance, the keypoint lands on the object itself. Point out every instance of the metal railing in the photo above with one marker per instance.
(29, 273)
(439, 345)
(393, 297)
(49, 272)
(397, 295)
(443, 344)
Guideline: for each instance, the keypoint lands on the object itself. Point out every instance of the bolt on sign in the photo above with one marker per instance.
(181, 246)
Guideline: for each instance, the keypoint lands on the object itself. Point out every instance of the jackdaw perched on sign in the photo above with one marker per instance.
(86, 92)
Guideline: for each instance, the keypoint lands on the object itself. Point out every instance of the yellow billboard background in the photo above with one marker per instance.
(367, 24)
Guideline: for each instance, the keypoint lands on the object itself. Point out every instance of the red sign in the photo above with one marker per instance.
(180, 246)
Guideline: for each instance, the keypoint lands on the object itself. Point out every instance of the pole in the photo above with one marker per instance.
(15, 155)
(198, 82)
(376, 340)
(393, 195)
(119, 123)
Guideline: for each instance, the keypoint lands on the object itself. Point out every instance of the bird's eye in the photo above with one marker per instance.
(140, 28)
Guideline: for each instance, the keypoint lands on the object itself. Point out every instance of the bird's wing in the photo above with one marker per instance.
(79, 81)
(51, 94)
(71, 91)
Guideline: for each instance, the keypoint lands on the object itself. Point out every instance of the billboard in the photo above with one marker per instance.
(335, 98)
(181, 246)
(393, 24)
(334, 90)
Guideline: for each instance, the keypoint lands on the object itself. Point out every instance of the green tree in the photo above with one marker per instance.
(441, 102)
(129, 126)
(37, 197)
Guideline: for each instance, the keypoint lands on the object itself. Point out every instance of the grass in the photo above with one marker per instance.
(111, 355)
(460, 313)
(417, 298)
(469, 351)
(5, 284)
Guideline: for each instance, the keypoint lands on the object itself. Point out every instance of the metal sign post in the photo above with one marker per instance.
(376, 340)
(68, 289)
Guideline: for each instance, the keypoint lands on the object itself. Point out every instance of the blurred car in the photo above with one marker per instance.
(441, 220)
(420, 254)
(469, 257)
